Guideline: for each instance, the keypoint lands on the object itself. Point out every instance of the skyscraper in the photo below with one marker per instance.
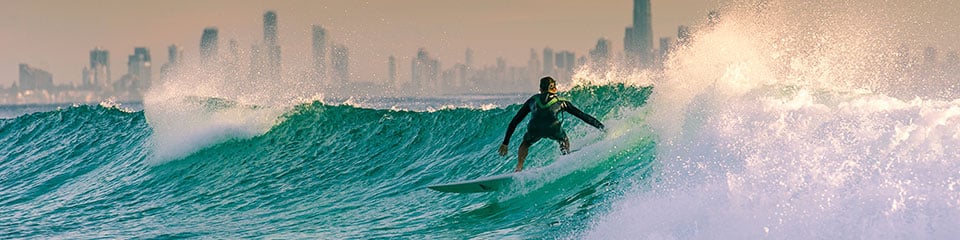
(232, 61)
(601, 53)
(320, 52)
(533, 65)
(340, 61)
(683, 34)
(468, 58)
(100, 68)
(139, 67)
(392, 70)
(547, 61)
(174, 54)
(638, 40)
(566, 62)
(34, 78)
(270, 28)
(174, 57)
(208, 46)
(424, 70)
(272, 46)
(666, 45)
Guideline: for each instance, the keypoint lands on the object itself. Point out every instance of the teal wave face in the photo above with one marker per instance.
(323, 171)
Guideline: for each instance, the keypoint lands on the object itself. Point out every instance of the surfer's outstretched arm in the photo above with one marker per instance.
(567, 106)
(522, 113)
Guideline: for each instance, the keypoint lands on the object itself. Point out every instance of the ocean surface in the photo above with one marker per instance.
(321, 171)
(777, 120)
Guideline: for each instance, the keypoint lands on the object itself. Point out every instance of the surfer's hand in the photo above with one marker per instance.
(503, 150)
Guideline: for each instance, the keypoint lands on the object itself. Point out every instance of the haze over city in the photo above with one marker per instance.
(58, 36)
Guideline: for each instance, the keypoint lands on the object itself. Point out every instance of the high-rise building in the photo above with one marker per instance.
(533, 65)
(666, 45)
(174, 57)
(208, 46)
(601, 53)
(468, 58)
(566, 62)
(139, 67)
(174, 54)
(232, 61)
(34, 78)
(270, 28)
(638, 40)
(271, 44)
(257, 62)
(392, 70)
(340, 61)
(86, 78)
(320, 53)
(100, 68)
(683, 34)
(548, 61)
(424, 70)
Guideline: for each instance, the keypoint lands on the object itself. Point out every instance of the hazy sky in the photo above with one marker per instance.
(58, 35)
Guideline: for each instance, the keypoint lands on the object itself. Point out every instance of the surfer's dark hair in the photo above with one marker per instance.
(545, 83)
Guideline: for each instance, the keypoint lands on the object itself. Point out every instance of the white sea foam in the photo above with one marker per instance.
(196, 108)
(767, 131)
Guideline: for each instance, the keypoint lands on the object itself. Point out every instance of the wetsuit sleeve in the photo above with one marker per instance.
(567, 106)
(522, 113)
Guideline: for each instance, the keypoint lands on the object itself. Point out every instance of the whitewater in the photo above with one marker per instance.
(775, 121)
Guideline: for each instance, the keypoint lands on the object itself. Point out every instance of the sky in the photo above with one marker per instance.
(57, 36)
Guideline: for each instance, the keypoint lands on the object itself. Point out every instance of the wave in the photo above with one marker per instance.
(786, 120)
(331, 171)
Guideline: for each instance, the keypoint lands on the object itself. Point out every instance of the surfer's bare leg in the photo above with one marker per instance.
(522, 155)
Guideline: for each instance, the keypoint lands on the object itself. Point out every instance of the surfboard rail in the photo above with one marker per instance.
(485, 184)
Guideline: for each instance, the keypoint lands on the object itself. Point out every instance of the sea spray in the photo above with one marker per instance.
(193, 111)
(790, 120)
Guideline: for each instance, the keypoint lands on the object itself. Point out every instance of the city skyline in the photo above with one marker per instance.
(368, 63)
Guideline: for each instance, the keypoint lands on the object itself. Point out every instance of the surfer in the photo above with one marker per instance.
(546, 107)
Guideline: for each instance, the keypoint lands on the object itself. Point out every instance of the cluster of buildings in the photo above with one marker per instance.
(330, 66)
(36, 86)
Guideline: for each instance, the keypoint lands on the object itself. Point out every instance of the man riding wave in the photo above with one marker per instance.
(545, 109)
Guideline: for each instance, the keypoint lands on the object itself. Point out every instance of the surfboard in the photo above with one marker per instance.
(485, 184)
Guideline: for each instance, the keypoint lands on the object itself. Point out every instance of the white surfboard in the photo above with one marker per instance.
(485, 184)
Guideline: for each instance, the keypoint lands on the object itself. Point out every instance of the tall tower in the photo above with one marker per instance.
(392, 70)
(174, 57)
(534, 64)
(548, 61)
(232, 61)
(424, 70)
(100, 68)
(139, 66)
(208, 46)
(272, 46)
(270, 28)
(601, 53)
(340, 60)
(320, 52)
(638, 40)
(468, 58)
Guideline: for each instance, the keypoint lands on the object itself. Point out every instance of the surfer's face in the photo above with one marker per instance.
(552, 88)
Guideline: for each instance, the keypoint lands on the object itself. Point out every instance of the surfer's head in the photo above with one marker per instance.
(547, 84)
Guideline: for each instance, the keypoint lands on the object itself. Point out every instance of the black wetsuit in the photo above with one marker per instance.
(546, 107)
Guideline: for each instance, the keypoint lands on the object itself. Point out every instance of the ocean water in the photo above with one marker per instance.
(780, 120)
(321, 171)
